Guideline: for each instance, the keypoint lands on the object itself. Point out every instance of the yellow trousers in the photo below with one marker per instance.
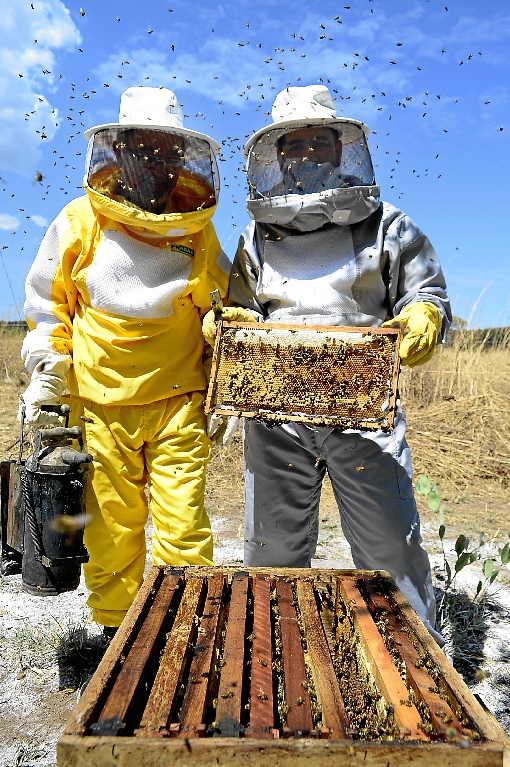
(164, 445)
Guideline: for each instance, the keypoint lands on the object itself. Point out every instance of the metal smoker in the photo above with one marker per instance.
(45, 509)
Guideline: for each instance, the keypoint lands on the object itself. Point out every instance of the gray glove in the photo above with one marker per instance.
(221, 428)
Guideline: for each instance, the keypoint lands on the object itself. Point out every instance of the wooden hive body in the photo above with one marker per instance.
(214, 666)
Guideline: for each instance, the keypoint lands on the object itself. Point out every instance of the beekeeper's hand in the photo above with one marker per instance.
(45, 388)
(423, 321)
(221, 428)
(230, 314)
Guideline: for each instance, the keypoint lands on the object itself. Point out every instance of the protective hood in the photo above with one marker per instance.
(310, 167)
(148, 224)
(148, 172)
(312, 211)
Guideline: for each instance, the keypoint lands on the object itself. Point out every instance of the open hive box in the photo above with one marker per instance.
(331, 376)
(265, 666)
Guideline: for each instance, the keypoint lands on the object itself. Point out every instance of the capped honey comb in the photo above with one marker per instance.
(333, 376)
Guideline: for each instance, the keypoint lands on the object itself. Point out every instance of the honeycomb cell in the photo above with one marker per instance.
(344, 377)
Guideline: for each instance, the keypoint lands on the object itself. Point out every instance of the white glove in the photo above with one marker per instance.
(45, 388)
(221, 428)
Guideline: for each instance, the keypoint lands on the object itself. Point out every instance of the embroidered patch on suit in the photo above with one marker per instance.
(183, 249)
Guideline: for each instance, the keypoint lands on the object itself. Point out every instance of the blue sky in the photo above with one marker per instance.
(429, 77)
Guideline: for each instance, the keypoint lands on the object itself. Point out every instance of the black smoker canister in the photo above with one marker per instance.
(53, 483)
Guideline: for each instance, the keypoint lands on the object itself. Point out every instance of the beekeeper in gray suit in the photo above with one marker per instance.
(322, 249)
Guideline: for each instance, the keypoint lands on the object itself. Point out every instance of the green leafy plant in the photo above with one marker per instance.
(466, 552)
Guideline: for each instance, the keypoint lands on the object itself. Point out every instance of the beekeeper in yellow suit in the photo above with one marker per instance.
(114, 302)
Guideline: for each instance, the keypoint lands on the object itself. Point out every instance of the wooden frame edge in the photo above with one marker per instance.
(75, 751)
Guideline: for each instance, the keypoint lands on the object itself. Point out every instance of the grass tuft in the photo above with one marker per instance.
(78, 651)
(464, 623)
(458, 415)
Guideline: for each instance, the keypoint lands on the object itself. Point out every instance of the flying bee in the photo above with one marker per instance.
(68, 524)
(38, 178)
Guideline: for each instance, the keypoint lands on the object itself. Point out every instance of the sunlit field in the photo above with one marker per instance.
(458, 428)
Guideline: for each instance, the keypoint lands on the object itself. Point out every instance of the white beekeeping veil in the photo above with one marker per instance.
(310, 166)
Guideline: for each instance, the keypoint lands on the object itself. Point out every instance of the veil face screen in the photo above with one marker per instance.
(154, 170)
(308, 160)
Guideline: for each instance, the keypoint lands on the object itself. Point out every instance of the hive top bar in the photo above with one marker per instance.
(328, 376)
(213, 665)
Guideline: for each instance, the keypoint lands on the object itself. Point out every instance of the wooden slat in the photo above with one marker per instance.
(380, 663)
(195, 698)
(112, 718)
(94, 694)
(261, 692)
(213, 376)
(355, 329)
(299, 716)
(157, 713)
(204, 752)
(442, 717)
(394, 380)
(228, 709)
(326, 684)
(12, 524)
(328, 574)
(457, 688)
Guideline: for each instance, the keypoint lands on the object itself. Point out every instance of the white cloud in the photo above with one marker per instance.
(220, 73)
(26, 115)
(8, 222)
(40, 221)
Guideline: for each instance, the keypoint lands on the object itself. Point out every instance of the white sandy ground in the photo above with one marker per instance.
(36, 697)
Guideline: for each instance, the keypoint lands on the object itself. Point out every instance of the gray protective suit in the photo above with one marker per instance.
(319, 273)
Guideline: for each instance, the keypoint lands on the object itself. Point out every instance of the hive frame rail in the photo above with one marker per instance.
(225, 663)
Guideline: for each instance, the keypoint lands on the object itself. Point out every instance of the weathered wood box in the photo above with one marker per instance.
(268, 666)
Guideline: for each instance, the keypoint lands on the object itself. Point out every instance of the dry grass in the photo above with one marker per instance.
(13, 378)
(464, 625)
(459, 420)
(458, 430)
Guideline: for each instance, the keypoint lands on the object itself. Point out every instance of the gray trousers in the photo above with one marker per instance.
(370, 476)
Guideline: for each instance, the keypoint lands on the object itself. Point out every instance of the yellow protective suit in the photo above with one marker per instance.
(123, 302)
(165, 444)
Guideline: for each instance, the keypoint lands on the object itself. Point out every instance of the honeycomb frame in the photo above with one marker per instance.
(345, 377)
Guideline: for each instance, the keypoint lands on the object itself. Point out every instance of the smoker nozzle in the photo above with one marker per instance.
(73, 457)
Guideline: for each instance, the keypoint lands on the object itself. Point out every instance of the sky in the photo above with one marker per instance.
(430, 80)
